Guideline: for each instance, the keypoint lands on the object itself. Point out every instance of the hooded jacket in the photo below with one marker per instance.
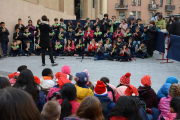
(164, 90)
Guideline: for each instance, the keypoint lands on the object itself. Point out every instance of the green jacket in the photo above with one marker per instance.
(159, 23)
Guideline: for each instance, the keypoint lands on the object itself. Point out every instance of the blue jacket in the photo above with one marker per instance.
(105, 98)
(110, 35)
(40, 103)
(72, 37)
(164, 90)
(143, 37)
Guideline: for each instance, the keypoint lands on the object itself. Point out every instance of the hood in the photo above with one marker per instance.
(171, 80)
(82, 92)
(102, 98)
(145, 91)
(164, 91)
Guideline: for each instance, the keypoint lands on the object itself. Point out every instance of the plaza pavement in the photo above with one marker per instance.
(97, 69)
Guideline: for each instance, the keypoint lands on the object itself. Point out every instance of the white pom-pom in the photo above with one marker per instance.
(133, 94)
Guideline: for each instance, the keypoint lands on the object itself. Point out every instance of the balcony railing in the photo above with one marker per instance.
(169, 7)
(121, 7)
(153, 7)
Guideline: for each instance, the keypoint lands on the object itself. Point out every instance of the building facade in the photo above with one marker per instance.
(144, 9)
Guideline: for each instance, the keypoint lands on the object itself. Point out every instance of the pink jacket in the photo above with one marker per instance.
(170, 116)
(12, 81)
(51, 91)
(124, 27)
(164, 106)
(120, 91)
(110, 95)
(74, 103)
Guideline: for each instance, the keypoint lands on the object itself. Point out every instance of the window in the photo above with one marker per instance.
(161, 3)
(101, 4)
(93, 3)
(133, 2)
(152, 1)
(169, 2)
(121, 2)
(134, 13)
(139, 14)
(168, 14)
(121, 16)
(139, 2)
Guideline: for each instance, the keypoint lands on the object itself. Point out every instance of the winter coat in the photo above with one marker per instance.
(137, 37)
(170, 116)
(120, 91)
(71, 49)
(83, 93)
(164, 106)
(51, 91)
(109, 35)
(164, 91)
(171, 80)
(94, 46)
(32, 29)
(106, 24)
(74, 103)
(42, 100)
(118, 35)
(72, 35)
(46, 84)
(90, 36)
(151, 33)
(175, 28)
(19, 37)
(149, 96)
(160, 23)
(101, 51)
(4, 35)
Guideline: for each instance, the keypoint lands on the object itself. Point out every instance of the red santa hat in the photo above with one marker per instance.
(125, 79)
(61, 75)
(146, 81)
(100, 88)
(131, 91)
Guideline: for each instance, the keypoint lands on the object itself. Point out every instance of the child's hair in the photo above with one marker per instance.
(21, 68)
(78, 21)
(132, 18)
(51, 110)
(105, 80)
(59, 41)
(90, 108)
(19, 19)
(118, 28)
(131, 38)
(87, 19)
(25, 28)
(107, 39)
(114, 16)
(174, 104)
(80, 39)
(120, 37)
(27, 41)
(48, 20)
(100, 42)
(4, 82)
(137, 28)
(67, 42)
(93, 39)
(68, 93)
(29, 20)
(61, 20)
(126, 107)
(88, 27)
(152, 22)
(98, 20)
(138, 20)
(97, 27)
(125, 44)
(55, 19)
(127, 29)
(70, 22)
(17, 105)
(46, 72)
(79, 29)
(14, 41)
(38, 21)
(142, 42)
(61, 27)
(174, 90)
(106, 15)
(108, 28)
(124, 20)
(70, 27)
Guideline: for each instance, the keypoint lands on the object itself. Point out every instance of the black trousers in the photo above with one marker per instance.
(150, 47)
(50, 54)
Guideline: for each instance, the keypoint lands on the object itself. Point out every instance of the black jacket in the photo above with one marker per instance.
(4, 35)
(106, 24)
(44, 39)
(88, 25)
(151, 33)
(19, 37)
(22, 27)
(175, 28)
(79, 26)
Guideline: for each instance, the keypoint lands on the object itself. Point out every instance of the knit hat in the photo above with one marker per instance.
(66, 69)
(131, 91)
(37, 80)
(146, 81)
(171, 80)
(62, 81)
(83, 79)
(125, 79)
(100, 88)
(13, 74)
(130, 13)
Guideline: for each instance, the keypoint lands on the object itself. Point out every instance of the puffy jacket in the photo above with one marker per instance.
(120, 91)
(164, 90)
(82, 93)
(170, 116)
(159, 23)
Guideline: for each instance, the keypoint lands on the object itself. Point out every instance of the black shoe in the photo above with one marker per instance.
(120, 60)
(142, 57)
(43, 64)
(54, 64)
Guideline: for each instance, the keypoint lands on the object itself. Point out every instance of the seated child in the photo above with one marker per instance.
(98, 34)
(47, 81)
(27, 36)
(127, 35)
(79, 26)
(108, 34)
(125, 53)
(92, 47)
(120, 42)
(37, 35)
(107, 46)
(99, 52)
(17, 36)
(80, 47)
(70, 34)
(15, 50)
(137, 36)
(79, 35)
(28, 50)
(69, 48)
(113, 55)
(61, 36)
(58, 48)
(38, 50)
(131, 46)
(117, 33)
(88, 35)
(142, 51)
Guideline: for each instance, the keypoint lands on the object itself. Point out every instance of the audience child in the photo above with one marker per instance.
(141, 52)
(99, 52)
(127, 35)
(123, 26)
(17, 105)
(105, 23)
(38, 23)
(137, 36)
(97, 24)
(27, 36)
(51, 111)
(17, 36)
(82, 90)
(125, 109)
(125, 80)
(15, 50)
(147, 93)
(70, 33)
(20, 25)
(31, 28)
(120, 92)
(108, 34)
(120, 42)
(113, 55)
(131, 46)
(28, 50)
(80, 47)
(140, 25)
(113, 24)
(89, 83)
(164, 104)
(4, 39)
(92, 47)
(88, 24)
(88, 35)
(89, 109)
(55, 26)
(37, 35)
(38, 50)
(132, 26)
(151, 34)
(26, 82)
(69, 48)
(69, 104)
(47, 79)
(107, 46)
(79, 26)
(70, 24)
(4, 82)
(117, 33)
(79, 35)
(58, 49)
(100, 92)
(98, 34)
(125, 53)
(61, 24)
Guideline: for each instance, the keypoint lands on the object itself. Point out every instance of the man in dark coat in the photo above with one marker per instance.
(45, 41)
(175, 27)
(4, 38)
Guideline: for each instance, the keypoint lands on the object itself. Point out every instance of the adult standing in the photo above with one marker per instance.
(169, 23)
(130, 17)
(160, 22)
(175, 27)
(105, 23)
(45, 40)
(123, 26)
